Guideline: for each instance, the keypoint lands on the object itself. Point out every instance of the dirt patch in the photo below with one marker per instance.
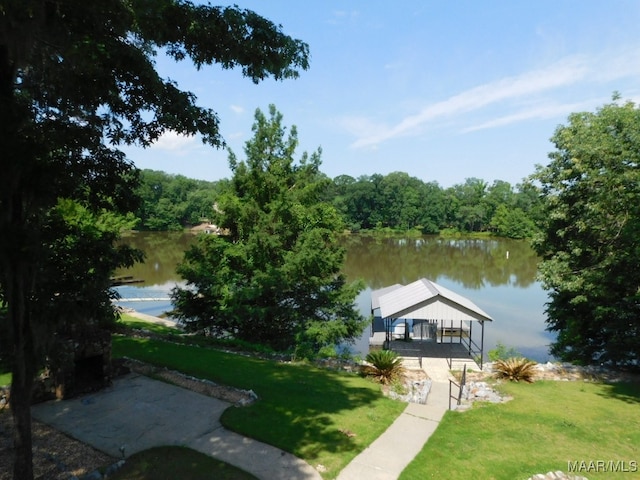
(55, 455)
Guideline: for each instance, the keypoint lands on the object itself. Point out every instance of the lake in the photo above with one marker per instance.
(498, 275)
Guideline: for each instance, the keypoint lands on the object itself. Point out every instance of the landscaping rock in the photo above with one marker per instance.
(481, 391)
(233, 395)
(113, 468)
(568, 372)
(414, 388)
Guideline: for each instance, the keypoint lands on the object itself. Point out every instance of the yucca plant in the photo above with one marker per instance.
(515, 369)
(383, 365)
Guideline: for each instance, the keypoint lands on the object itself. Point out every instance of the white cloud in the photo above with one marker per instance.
(237, 109)
(174, 142)
(509, 93)
(563, 73)
(541, 112)
(612, 66)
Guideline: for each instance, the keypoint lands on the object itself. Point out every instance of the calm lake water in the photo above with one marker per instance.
(498, 275)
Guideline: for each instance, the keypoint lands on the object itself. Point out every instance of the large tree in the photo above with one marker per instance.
(274, 278)
(77, 79)
(589, 242)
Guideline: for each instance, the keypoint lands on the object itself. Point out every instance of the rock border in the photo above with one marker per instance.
(235, 396)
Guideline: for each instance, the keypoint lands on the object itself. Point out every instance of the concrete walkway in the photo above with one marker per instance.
(388, 456)
(138, 413)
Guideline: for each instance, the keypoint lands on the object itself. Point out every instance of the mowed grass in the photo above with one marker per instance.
(132, 322)
(170, 463)
(322, 416)
(547, 425)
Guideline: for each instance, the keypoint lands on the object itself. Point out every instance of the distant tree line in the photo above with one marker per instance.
(173, 202)
(395, 201)
(398, 201)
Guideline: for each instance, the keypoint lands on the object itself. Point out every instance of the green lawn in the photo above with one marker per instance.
(131, 322)
(301, 409)
(307, 410)
(545, 426)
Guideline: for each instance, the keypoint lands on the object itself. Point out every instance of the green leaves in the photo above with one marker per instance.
(275, 279)
(77, 79)
(384, 366)
(590, 230)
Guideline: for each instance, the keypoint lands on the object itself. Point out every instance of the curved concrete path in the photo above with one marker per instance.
(138, 413)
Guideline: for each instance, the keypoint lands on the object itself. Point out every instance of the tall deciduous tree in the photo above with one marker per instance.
(77, 78)
(589, 242)
(275, 278)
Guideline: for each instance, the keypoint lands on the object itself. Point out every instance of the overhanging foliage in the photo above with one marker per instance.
(589, 242)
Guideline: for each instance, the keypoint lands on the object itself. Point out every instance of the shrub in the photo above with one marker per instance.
(502, 352)
(515, 369)
(383, 365)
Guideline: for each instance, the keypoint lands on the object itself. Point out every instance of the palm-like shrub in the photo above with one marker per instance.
(515, 369)
(383, 365)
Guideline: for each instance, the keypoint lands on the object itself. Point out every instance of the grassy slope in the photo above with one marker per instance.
(158, 328)
(545, 426)
(301, 408)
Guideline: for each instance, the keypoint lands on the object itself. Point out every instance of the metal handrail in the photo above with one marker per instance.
(473, 352)
(463, 382)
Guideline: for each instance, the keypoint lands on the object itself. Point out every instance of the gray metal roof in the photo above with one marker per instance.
(425, 300)
(376, 294)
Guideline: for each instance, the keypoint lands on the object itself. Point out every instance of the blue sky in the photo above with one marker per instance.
(442, 90)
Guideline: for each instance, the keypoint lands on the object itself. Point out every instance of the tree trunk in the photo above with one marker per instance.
(23, 366)
(21, 409)
(17, 259)
(23, 372)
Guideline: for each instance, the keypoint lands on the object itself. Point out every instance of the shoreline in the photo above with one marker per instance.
(151, 319)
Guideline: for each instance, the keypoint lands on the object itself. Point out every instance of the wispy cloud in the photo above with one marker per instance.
(343, 17)
(237, 109)
(540, 112)
(561, 74)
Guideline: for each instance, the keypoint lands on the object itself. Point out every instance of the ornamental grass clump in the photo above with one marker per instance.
(515, 369)
(384, 366)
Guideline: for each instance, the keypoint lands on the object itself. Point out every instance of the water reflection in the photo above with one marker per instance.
(496, 274)
(473, 263)
(163, 251)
